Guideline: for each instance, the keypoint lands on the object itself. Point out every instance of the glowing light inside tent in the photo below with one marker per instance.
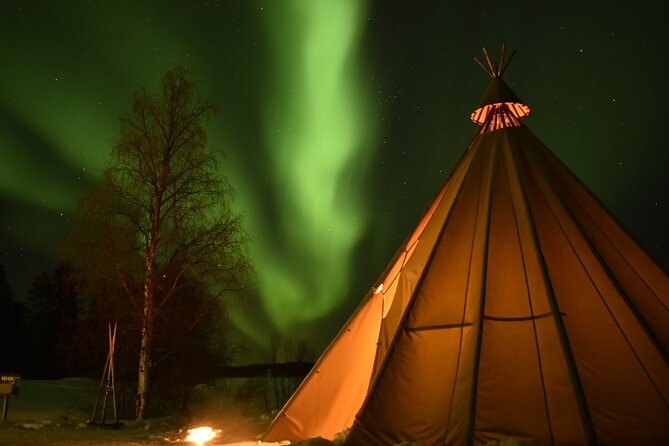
(511, 110)
(201, 435)
(378, 289)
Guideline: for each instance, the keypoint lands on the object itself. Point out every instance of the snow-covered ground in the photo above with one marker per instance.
(55, 413)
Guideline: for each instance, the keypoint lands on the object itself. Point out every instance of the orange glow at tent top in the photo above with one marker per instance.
(499, 107)
(516, 109)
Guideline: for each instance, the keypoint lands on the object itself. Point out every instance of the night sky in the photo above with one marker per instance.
(339, 121)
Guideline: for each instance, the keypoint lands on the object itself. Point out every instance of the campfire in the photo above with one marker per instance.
(201, 435)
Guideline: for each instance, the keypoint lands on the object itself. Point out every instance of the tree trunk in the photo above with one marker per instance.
(145, 349)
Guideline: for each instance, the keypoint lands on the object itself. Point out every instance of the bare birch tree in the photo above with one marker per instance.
(163, 212)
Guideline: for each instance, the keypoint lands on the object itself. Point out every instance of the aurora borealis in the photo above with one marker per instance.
(339, 120)
(317, 101)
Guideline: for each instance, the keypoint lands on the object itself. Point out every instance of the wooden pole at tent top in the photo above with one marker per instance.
(501, 64)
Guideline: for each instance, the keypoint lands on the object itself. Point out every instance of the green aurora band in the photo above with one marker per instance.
(317, 127)
(61, 99)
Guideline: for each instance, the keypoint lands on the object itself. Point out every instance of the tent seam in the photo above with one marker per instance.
(529, 297)
(479, 340)
(586, 419)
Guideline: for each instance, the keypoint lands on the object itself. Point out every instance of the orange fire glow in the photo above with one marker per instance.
(201, 435)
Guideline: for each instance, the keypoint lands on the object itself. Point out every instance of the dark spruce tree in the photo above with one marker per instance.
(51, 318)
(12, 328)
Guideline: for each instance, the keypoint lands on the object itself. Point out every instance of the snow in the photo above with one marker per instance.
(55, 413)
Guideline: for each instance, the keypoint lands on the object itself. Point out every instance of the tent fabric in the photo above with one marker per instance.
(518, 308)
(332, 393)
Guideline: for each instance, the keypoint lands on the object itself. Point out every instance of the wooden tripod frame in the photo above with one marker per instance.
(107, 387)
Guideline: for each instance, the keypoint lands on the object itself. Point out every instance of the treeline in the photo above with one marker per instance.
(60, 330)
(12, 328)
(35, 331)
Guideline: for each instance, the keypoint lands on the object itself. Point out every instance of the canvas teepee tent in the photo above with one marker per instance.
(517, 308)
